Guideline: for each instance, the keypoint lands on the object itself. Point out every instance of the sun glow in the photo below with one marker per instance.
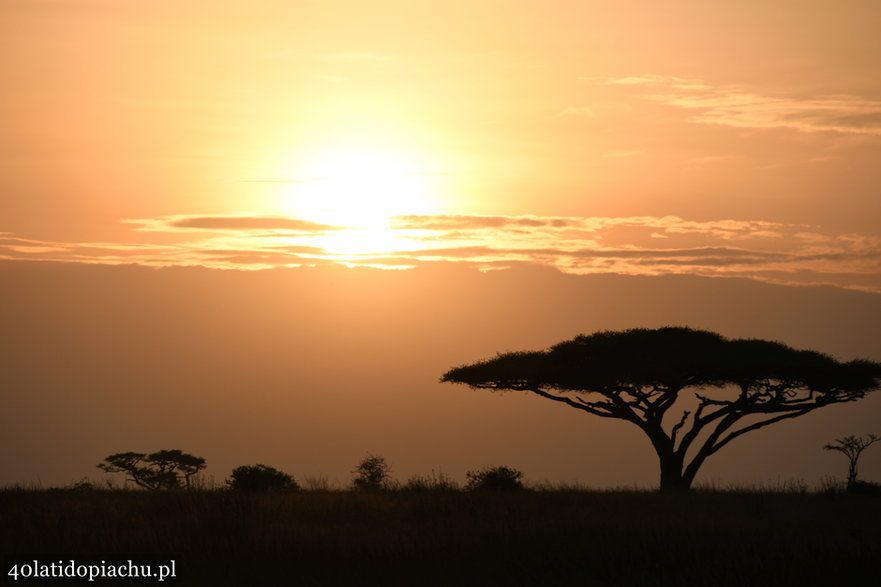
(362, 187)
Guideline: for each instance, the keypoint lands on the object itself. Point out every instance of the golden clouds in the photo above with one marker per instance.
(639, 245)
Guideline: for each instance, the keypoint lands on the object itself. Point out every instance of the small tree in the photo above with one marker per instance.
(852, 447)
(372, 473)
(691, 392)
(164, 469)
(261, 478)
(495, 479)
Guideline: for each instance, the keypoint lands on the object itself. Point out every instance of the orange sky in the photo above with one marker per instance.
(633, 137)
(762, 119)
(308, 370)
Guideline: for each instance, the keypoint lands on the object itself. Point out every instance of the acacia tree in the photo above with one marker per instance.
(691, 392)
(164, 469)
(852, 447)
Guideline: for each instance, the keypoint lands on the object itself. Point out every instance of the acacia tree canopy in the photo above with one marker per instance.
(690, 391)
(164, 469)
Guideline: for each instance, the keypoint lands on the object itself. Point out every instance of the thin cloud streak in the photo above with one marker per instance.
(640, 245)
(230, 223)
(737, 106)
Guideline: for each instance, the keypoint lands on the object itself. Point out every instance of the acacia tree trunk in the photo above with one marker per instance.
(852, 471)
(672, 477)
(673, 473)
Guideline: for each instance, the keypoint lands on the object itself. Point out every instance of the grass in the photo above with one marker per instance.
(562, 536)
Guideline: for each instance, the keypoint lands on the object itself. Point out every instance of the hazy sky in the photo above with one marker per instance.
(309, 369)
(635, 138)
(638, 137)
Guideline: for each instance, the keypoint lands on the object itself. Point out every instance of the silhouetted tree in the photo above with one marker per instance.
(164, 469)
(852, 447)
(261, 478)
(721, 388)
(372, 473)
(495, 479)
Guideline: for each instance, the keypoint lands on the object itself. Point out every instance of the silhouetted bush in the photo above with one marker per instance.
(316, 483)
(372, 473)
(261, 478)
(83, 484)
(864, 488)
(495, 479)
(433, 482)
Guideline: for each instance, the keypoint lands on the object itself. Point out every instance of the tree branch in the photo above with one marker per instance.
(707, 448)
(570, 402)
(661, 406)
(700, 421)
(677, 427)
(762, 424)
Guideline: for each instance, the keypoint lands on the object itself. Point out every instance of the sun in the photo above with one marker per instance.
(362, 187)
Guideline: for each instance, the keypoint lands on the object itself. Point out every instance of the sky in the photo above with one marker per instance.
(684, 144)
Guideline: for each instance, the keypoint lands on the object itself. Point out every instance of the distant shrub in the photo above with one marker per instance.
(261, 478)
(373, 473)
(83, 485)
(831, 486)
(495, 479)
(316, 483)
(432, 482)
(864, 488)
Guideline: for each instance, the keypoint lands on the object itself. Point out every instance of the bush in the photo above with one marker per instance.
(372, 473)
(433, 482)
(84, 485)
(261, 478)
(316, 483)
(864, 488)
(495, 479)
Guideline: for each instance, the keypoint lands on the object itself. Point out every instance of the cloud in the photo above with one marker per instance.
(462, 221)
(635, 245)
(694, 253)
(230, 223)
(634, 80)
(697, 256)
(28, 246)
(742, 107)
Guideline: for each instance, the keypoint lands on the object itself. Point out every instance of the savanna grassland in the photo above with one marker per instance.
(452, 537)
